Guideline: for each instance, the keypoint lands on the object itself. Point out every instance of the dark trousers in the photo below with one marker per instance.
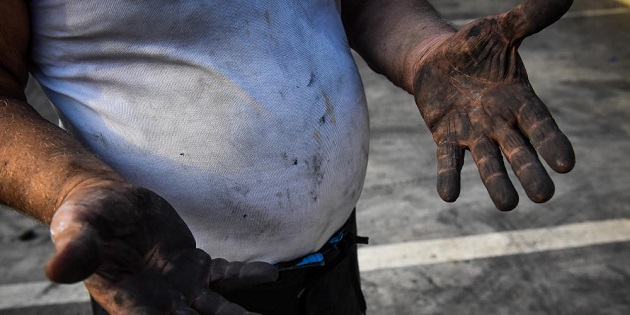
(331, 289)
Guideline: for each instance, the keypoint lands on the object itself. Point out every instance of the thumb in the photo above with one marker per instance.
(533, 16)
(78, 248)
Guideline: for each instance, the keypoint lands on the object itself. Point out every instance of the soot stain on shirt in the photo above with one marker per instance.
(247, 31)
(269, 228)
(316, 174)
(101, 139)
(258, 224)
(271, 33)
(330, 110)
(317, 136)
(340, 84)
(290, 161)
(243, 191)
(284, 200)
(267, 17)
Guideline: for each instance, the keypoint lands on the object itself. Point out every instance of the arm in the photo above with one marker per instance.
(40, 162)
(130, 246)
(392, 35)
(471, 88)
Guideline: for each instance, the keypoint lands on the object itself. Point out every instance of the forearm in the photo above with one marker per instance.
(392, 35)
(39, 162)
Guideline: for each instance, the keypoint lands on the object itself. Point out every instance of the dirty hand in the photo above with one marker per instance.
(473, 92)
(137, 256)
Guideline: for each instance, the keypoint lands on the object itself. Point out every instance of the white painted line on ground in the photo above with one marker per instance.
(570, 14)
(22, 295)
(493, 245)
(15, 296)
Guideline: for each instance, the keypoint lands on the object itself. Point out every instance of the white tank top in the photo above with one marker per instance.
(247, 116)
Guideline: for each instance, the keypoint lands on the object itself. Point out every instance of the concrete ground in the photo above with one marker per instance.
(568, 256)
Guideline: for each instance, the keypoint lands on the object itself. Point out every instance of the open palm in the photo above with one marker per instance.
(473, 93)
(137, 256)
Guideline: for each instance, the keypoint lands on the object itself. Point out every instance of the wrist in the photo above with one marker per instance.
(105, 178)
(417, 56)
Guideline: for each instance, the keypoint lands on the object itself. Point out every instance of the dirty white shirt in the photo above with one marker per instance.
(247, 116)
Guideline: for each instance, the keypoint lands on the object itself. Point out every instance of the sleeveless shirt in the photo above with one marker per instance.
(249, 116)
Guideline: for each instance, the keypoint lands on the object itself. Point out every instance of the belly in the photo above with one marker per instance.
(266, 174)
(251, 122)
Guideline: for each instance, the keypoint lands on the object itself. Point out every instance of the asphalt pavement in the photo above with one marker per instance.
(567, 256)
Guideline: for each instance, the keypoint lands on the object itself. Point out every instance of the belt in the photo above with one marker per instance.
(334, 247)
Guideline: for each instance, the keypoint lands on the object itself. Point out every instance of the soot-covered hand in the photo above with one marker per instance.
(473, 92)
(137, 256)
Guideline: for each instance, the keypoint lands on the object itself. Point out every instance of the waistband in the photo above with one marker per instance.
(341, 240)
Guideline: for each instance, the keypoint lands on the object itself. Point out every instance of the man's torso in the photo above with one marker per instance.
(248, 116)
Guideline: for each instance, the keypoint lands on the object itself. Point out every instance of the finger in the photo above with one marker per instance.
(156, 305)
(188, 272)
(145, 293)
(182, 308)
(78, 248)
(526, 165)
(532, 16)
(209, 302)
(226, 275)
(536, 122)
(178, 309)
(450, 157)
(152, 311)
(141, 310)
(493, 174)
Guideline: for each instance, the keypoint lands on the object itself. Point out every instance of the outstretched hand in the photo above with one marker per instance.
(137, 256)
(473, 92)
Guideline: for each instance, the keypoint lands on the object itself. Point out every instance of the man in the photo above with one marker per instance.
(240, 128)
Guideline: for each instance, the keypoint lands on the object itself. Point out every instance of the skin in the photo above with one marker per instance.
(472, 90)
(131, 248)
(137, 256)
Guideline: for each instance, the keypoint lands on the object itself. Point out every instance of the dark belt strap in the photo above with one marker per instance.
(342, 240)
(307, 284)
